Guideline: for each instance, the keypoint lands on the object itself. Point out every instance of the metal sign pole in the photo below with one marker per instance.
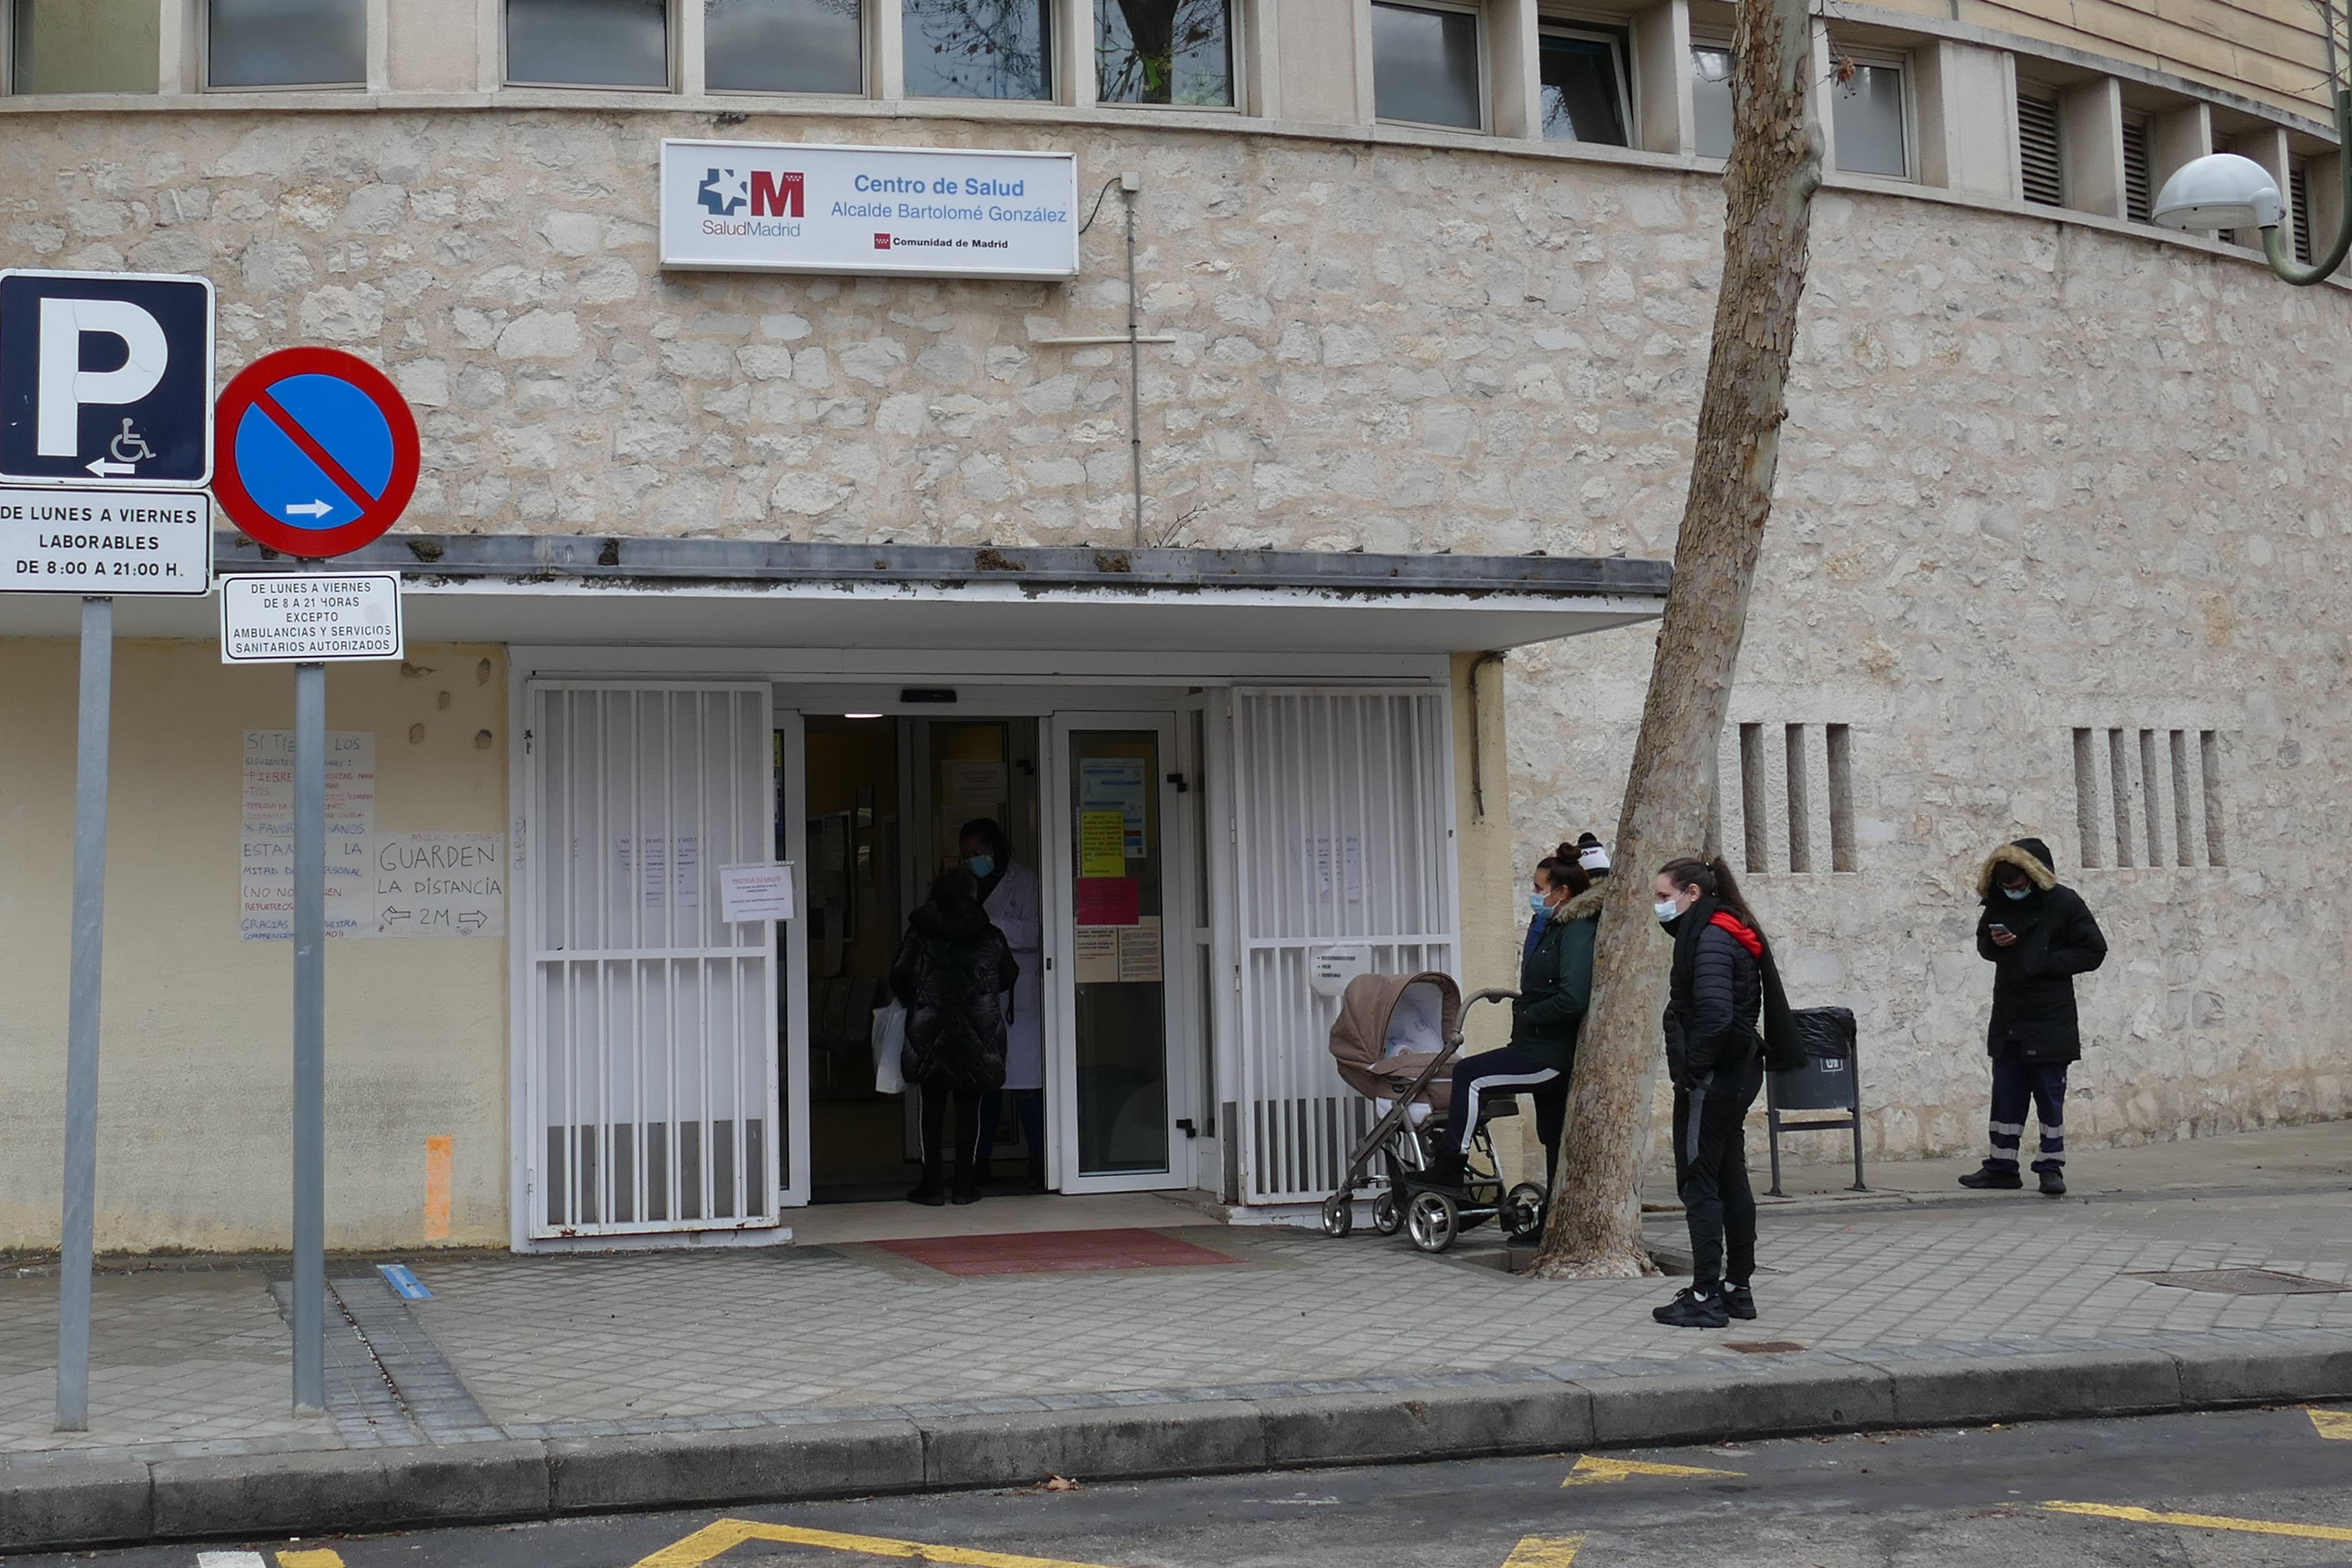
(81, 1017)
(310, 1036)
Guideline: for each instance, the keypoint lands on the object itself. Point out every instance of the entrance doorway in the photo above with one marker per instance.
(887, 804)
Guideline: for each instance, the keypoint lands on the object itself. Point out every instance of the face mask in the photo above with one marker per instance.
(2017, 893)
(1537, 902)
(980, 866)
(1668, 911)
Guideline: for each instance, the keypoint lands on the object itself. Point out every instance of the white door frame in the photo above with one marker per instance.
(1179, 985)
(793, 958)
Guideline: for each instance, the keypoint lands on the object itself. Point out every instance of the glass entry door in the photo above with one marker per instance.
(1112, 843)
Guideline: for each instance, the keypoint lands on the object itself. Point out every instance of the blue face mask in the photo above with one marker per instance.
(980, 865)
(1536, 902)
(2017, 893)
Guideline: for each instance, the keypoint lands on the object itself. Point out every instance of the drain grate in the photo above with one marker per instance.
(2243, 1282)
(1762, 1347)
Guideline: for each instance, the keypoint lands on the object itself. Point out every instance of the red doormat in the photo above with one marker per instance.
(1055, 1252)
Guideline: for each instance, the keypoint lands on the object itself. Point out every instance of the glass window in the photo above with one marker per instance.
(1583, 88)
(1164, 51)
(1868, 115)
(286, 43)
(1711, 100)
(588, 42)
(1425, 66)
(979, 48)
(784, 46)
(85, 46)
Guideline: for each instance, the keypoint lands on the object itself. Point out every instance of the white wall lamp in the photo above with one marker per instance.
(2223, 190)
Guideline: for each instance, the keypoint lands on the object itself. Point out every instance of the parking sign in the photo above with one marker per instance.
(106, 380)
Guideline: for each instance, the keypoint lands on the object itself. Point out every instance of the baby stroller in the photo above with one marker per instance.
(1394, 1038)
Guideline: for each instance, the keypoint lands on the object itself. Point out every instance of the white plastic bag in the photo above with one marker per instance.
(889, 1043)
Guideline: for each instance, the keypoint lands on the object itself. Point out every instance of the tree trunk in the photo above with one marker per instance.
(1595, 1230)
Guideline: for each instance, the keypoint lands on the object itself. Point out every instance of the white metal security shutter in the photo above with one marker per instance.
(1343, 834)
(652, 1069)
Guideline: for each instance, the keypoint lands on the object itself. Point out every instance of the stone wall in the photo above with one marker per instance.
(2040, 474)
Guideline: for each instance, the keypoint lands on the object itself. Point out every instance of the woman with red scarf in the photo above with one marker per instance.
(1714, 1054)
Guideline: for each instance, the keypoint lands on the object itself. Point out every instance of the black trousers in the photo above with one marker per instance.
(2015, 1085)
(1029, 1105)
(935, 1146)
(1711, 1175)
(1496, 1072)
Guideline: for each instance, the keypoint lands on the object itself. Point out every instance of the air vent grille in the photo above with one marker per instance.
(2037, 143)
(2139, 194)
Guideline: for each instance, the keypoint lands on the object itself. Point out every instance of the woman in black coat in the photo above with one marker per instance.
(953, 973)
(1714, 1054)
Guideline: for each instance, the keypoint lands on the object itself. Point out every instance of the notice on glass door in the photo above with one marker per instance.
(1114, 784)
(1096, 954)
(1138, 953)
(1102, 844)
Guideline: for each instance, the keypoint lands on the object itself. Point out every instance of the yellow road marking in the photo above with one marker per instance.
(2330, 1423)
(1591, 1471)
(2203, 1520)
(724, 1534)
(311, 1560)
(1544, 1552)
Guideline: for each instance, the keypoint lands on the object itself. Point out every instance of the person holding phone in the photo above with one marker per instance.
(2038, 935)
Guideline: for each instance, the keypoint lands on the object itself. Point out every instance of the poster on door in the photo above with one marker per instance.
(1114, 784)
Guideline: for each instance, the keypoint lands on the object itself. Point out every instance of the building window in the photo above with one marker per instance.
(1425, 66)
(1164, 51)
(84, 46)
(286, 43)
(1584, 94)
(1711, 100)
(2038, 150)
(784, 46)
(2139, 187)
(1866, 111)
(979, 48)
(588, 42)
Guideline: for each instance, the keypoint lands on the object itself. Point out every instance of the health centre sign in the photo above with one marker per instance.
(764, 207)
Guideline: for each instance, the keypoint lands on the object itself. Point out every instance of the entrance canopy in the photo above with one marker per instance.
(716, 593)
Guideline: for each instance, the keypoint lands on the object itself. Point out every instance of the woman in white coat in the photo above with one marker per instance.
(1011, 895)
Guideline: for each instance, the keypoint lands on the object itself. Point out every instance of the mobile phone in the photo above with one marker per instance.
(1998, 929)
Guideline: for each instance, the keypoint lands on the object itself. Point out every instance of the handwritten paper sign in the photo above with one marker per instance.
(752, 893)
(265, 848)
(440, 884)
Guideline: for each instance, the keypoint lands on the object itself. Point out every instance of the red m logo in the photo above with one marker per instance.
(777, 195)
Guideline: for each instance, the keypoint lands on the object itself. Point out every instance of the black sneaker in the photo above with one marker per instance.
(1987, 1178)
(928, 1196)
(1689, 1310)
(1739, 1302)
(2054, 1184)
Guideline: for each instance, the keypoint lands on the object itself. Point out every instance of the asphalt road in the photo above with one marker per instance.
(2266, 1486)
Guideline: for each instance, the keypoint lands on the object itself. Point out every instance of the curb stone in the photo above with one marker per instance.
(61, 1502)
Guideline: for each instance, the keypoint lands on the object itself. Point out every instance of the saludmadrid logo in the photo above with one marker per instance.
(768, 192)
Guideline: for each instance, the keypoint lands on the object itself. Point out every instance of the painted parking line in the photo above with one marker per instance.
(1591, 1471)
(300, 1559)
(1545, 1551)
(2203, 1520)
(2337, 1423)
(725, 1534)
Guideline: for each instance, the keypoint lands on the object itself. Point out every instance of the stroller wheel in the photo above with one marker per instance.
(1388, 1214)
(1339, 1215)
(1523, 1212)
(1433, 1221)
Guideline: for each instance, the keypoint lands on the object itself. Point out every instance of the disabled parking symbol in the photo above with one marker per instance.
(316, 452)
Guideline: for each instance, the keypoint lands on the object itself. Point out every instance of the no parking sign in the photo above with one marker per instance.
(316, 452)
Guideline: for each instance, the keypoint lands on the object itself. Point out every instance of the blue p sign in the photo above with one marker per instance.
(106, 378)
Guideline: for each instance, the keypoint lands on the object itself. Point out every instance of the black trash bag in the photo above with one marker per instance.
(1824, 1034)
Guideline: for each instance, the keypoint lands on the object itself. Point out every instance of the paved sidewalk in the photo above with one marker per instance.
(192, 1360)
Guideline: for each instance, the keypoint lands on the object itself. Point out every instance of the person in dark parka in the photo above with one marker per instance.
(1715, 997)
(2038, 935)
(954, 972)
(1555, 987)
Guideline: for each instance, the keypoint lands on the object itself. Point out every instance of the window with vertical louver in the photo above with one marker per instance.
(2298, 182)
(2139, 194)
(2037, 143)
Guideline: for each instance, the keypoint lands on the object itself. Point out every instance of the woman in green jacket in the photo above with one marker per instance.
(1555, 987)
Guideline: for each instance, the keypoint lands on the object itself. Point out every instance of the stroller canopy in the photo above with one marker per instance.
(1389, 1027)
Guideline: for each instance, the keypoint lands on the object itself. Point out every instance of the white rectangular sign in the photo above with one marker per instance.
(301, 618)
(764, 206)
(755, 892)
(105, 541)
(440, 884)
